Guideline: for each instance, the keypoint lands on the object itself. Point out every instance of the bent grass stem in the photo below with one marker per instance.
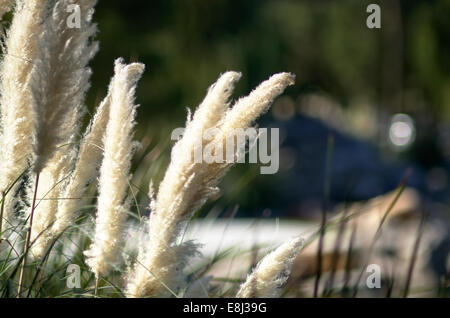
(27, 240)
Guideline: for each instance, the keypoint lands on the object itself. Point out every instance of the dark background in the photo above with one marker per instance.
(350, 81)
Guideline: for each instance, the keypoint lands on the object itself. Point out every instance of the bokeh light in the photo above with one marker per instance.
(402, 131)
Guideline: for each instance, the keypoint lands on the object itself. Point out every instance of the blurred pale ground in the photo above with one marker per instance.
(241, 239)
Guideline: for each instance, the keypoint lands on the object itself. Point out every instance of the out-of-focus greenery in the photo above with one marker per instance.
(187, 44)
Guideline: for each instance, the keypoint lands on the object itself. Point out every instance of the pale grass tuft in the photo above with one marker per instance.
(60, 79)
(89, 157)
(44, 78)
(84, 171)
(105, 251)
(17, 119)
(247, 109)
(272, 272)
(187, 185)
(51, 181)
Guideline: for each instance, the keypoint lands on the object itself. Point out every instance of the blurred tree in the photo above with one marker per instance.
(402, 67)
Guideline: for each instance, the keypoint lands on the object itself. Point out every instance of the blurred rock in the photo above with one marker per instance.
(358, 170)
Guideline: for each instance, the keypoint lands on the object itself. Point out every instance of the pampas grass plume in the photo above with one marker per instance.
(17, 118)
(59, 79)
(187, 185)
(271, 272)
(89, 157)
(44, 77)
(105, 250)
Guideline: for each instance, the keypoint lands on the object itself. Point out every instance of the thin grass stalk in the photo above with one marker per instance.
(208, 266)
(390, 289)
(1, 214)
(5, 201)
(377, 235)
(335, 257)
(253, 286)
(41, 265)
(51, 181)
(16, 267)
(97, 280)
(27, 240)
(415, 251)
(348, 260)
(443, 288)
(324, 213)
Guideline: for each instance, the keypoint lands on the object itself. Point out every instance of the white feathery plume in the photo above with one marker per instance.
(242, 115)
(85, 170)
(166, 215)
(272, 272)
(247, 109)
(105, 250)
(187, 185)
(51, 181)
(182, 167)
(208, 114)
(60, 79)
(16, 109)
(89, 158)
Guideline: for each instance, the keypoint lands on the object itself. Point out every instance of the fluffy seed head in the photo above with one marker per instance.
(271, 272)
(17, 120)
(105, 250)
(187, 185)
(60, 79)
(88, 160)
